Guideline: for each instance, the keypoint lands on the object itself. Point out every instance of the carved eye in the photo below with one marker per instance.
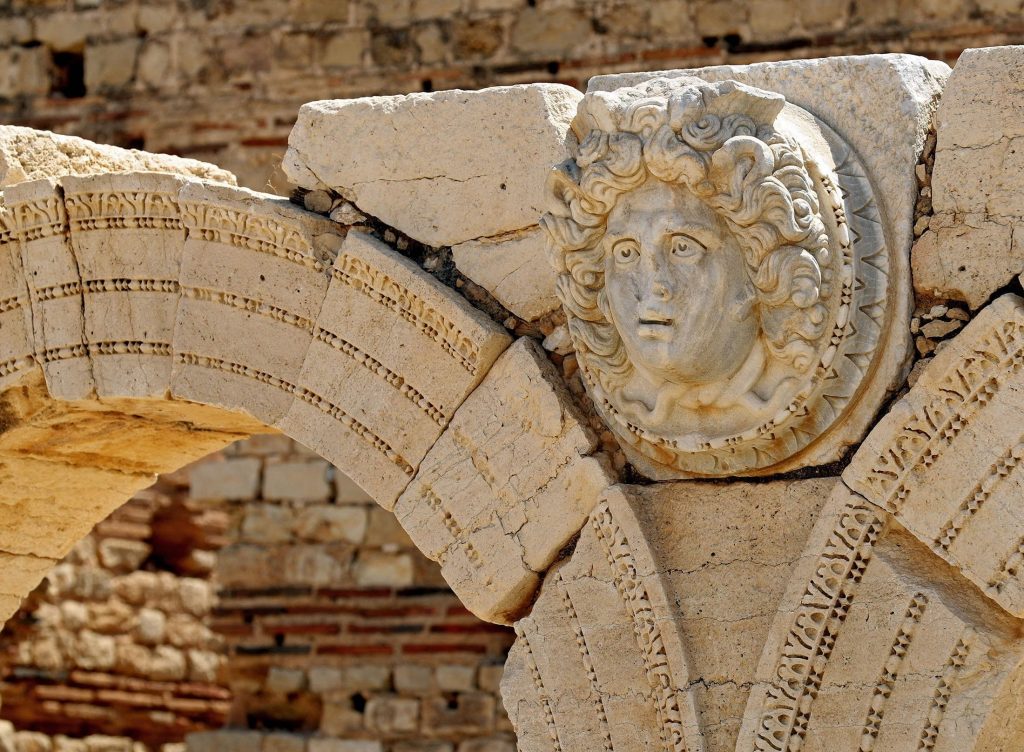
(685, 247)
(626, 251)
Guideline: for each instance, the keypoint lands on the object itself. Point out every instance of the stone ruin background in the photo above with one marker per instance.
(258, 599)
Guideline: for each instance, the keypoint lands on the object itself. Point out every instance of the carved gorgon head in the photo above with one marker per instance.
(691, 254)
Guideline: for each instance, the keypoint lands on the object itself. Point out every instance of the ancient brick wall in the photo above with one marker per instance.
(115, 642)
(223, 79)
(261, 590)
(334, 625)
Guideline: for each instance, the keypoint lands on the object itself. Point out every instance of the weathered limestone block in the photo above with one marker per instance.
(40, 224)
(20, 574)
(944, 461)
(443, 168)
(393, 354)
(876, 647)
(970, 249)
(38, 516)
(514, 269)
(9, 605)
(448, 168)
(506, 486)
(722, 585)
(127, 237)
(801, 329)
(254, 274)
(27, 154)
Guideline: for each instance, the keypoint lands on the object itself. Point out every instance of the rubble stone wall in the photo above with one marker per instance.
(174, 76)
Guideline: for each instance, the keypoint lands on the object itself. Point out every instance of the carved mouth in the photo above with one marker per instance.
(655, 320)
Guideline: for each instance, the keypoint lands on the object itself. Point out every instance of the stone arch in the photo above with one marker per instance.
(152, 318)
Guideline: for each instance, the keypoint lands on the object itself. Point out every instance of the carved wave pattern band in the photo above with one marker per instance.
(961, 393)
(221, 224)
(120, 210)
(38, 219)
(823, 609)
(648, 634)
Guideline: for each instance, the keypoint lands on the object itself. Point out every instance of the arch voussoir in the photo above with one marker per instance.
(153, 318)
(393, 353)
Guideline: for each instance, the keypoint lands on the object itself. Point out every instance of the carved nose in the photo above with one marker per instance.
(660, 289)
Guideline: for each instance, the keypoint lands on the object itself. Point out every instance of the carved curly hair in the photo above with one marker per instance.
(719, 142)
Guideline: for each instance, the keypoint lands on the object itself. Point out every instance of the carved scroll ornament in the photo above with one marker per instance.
(725, 272)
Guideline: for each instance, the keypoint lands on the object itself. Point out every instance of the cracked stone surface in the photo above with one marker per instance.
(506, 486)
(877, 647)
(973, 246)
(443, 168)
(741, 543)
(514, 268)
(708, 562)
(946, 458)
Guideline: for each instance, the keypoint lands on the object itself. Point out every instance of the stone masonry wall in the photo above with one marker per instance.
(336, 629)
(322, 626)
(223, 79)
(114, 642)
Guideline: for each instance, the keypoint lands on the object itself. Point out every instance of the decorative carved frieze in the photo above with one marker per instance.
(947, 459)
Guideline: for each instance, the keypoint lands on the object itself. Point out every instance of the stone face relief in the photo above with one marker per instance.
(726, 275)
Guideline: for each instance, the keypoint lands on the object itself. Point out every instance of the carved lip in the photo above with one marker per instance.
(650, 318)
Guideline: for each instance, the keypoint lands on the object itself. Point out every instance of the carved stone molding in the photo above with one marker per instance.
(876, 647)
(947, 459)
(730, 283)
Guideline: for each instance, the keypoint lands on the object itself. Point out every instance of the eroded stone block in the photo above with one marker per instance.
(443, 168)
(599, 656)
(969, 250)
(16, 335)
(393, 355)
(127, 237)
(514, 269)
(40, 224)
(255, 271)
(506, 485)
(27, 154)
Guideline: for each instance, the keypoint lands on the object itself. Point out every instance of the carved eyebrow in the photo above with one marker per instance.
(705, 236)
